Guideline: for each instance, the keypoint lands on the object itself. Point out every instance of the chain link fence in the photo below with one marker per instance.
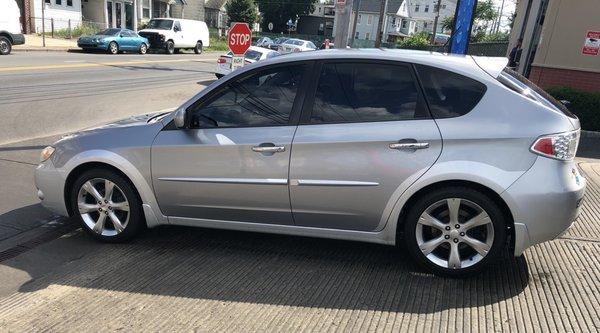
(64, 28)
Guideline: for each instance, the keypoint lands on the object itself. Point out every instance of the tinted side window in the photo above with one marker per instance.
(361, 92)
(177, 26)
(449, 94)
(262, 99)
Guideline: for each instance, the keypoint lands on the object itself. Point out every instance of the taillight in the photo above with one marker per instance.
(561, 146)
(221, 61)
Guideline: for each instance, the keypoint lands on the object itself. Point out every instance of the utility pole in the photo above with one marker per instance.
(435, 21)
(343, 11)
(382, 11)
(354, 22)
(43, 24)
(499, 17)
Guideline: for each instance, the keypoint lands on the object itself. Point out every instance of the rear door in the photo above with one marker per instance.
(364, 135)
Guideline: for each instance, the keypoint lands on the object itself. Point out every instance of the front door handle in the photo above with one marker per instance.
(268, 149)
(409, 145)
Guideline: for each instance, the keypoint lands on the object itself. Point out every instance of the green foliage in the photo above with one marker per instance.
(242, 11)
(495, 37)
(586, 105)
(484, 13)
(217, 43)
(418, 41)
(83, 29)
(447, 23)
(280, 11)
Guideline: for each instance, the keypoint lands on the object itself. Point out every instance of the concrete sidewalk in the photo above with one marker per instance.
(35, 43)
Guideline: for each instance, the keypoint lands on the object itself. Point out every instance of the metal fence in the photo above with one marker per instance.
(64, 28)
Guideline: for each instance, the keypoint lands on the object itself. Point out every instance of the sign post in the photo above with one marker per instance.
(239, 40)
(461, 29)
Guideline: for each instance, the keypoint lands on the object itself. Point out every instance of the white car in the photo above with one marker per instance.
(173, 35)
(10, 27)
(296, 45)
(253, 55)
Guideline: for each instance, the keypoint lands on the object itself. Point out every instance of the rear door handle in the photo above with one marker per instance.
(268, 149)
(409, 145)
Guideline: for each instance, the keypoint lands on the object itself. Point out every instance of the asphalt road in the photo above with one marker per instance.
(47, 93)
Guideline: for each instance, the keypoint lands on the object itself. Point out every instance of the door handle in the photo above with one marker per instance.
(409, 145)
(268, 149)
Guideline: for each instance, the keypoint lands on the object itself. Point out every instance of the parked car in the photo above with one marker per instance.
(342, 144)
(296, 45)
(276, 42)
(263, 42)
(10, 27)
(253, 55)
(113, 41)
(173, 35)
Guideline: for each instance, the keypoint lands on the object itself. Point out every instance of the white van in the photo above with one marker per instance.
(173, 34)
(10, 26)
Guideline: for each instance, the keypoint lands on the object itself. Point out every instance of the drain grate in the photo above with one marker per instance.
(56, 229)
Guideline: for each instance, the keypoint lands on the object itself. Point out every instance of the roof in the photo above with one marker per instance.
(375, 5)
(215, 4)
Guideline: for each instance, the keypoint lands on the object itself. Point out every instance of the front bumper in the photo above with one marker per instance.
(50, 184)
(18, 39)
(544, 201)
(93, 46)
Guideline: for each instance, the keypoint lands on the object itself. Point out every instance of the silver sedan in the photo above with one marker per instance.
(455, 157)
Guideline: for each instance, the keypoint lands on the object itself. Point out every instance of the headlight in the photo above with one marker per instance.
(46, 153)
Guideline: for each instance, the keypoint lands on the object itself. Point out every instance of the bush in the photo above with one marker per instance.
(415, 42)
(84, 29)
(586, 105)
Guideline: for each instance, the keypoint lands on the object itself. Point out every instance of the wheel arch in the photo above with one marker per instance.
(495, 196)
(7, 35)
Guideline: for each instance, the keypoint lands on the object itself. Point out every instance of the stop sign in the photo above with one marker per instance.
(239, 38)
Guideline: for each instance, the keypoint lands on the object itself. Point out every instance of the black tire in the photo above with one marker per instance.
(113, 48)
(170, 47)
(143, 48)
(135, 223)
(5, 45)
(495, 213)
(198, 48)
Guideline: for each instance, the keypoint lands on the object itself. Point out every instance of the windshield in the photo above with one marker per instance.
(279, 40)
(109, 32)
(295, 42)
(253, 55)
(523, 86)
(160, 24)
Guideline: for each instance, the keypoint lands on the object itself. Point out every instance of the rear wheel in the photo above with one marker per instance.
(106, 205)
(5, 45)
(455, 231)
(113, 48)
(198, 48)
(170, 47)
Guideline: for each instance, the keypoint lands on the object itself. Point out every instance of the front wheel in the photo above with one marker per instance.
(455, 231)
(107, 205)
(113, 48)
(198, 48)
(5, 45)
(170, 47)
(143, 48)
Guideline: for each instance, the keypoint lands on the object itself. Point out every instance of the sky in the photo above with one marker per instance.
(509, 8)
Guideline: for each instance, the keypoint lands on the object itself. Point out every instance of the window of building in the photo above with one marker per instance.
(58, 2)
(443, 6)
(449, 94)
(417, 8)
(146, 8)
(393, 21)
(358, 19)
(361, 92)
(263, 99)
(404, 24)
(426, 8)
(370, 19)
(425, 24)
(69, 3)
(356, 35)
(367, 35)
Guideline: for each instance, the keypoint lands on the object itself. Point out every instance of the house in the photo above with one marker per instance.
(561, 43)
(416, 16)
(366, 14)
(215, 14)
(320, 21)
(58, 14)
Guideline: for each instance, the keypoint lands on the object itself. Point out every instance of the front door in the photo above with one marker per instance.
(232, 163)
(367, 136)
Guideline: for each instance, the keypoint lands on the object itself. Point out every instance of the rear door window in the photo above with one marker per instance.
(449, 94)
(366, 92)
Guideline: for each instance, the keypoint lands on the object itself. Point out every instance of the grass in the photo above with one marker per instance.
(81, 30)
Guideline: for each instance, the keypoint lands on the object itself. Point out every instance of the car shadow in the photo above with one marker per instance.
(589, 147)
(231, 266)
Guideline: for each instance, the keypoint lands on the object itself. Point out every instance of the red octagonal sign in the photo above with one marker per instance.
(239, 38)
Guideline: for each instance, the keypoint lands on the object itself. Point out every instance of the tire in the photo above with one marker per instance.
(170, 47)
(5, 45)
(113, 48)
(114, 218)
(143, 48)
(431, 241)
(198, 48)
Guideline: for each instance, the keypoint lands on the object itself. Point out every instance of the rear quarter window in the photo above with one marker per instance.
(449, 94)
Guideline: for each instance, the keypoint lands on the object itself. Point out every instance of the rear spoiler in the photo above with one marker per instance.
(491, 65)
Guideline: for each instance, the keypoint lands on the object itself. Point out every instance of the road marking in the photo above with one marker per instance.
(97, 64)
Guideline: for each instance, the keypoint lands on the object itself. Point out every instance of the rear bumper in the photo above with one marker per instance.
(18, 39)
(544, 201)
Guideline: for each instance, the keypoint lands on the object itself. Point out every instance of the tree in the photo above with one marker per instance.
(484, 14)
(280, 11)
(242, 11)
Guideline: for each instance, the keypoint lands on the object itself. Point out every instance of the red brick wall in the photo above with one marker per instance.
(551, 77)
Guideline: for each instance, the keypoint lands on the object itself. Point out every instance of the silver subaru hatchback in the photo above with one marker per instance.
(454, 157)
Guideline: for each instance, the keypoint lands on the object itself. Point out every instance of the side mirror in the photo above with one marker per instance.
(179, 118)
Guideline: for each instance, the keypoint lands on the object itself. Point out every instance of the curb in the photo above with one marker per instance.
(41, 49)
(590, 134)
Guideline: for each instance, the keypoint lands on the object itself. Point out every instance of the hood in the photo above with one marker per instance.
(94, 37)
(140, 120)
(158, 31)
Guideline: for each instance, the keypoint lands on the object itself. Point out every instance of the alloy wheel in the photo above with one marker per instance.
(143, 49)
(454, 233)
(4, 48)
(113, 48)
(103, 207)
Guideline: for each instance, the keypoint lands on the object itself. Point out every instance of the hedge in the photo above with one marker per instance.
(586, 105)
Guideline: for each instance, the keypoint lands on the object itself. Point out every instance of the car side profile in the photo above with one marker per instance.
(113, 41)
(454, 157)
(254, 54)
